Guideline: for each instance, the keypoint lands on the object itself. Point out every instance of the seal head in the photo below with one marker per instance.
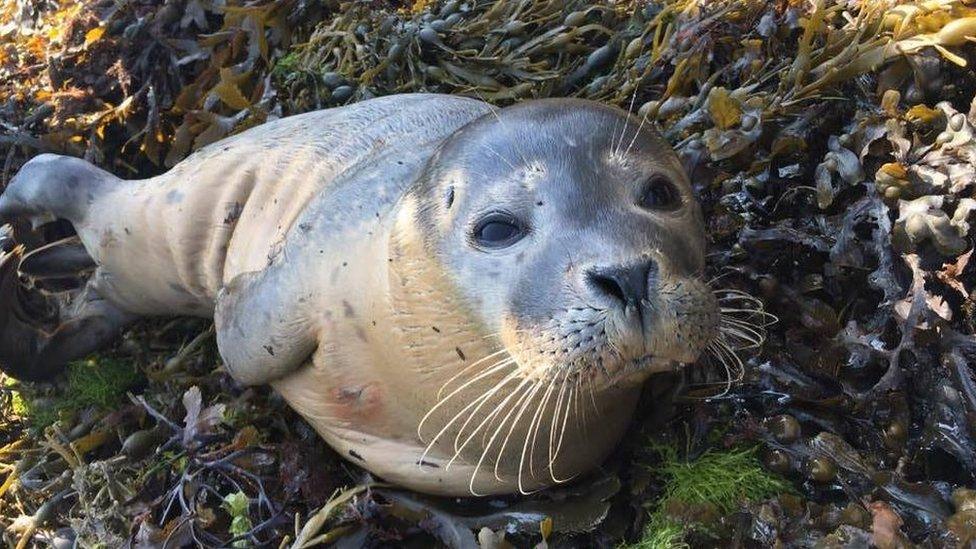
(571, 235)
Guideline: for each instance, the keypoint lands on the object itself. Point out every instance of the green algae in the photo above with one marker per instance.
(98, 382)
(700, 491)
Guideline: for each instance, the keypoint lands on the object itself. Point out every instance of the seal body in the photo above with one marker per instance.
(460, 300)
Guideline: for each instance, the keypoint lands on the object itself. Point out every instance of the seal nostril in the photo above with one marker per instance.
(627, 284)
(608, 286)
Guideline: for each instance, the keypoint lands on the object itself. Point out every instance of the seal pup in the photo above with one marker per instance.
(460, 299)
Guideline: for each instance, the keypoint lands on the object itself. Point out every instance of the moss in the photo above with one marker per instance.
(722, 479)
(288, 64)
(96, 382)
(699, 491)
(18, 406)
(100, 382)
(662, 533)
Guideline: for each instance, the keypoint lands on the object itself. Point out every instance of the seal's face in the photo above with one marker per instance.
(567, 248)
(573, 231)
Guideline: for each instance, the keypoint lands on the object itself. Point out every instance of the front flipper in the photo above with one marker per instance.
(40, 332)
(263, 329)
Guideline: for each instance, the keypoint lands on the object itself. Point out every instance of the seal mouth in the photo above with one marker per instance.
(636, 371)
(655, 363)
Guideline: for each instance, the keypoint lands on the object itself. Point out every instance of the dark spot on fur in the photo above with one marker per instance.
(270, 349)
(460, 353)
(174, 197)
(176, 288)
(108, 239)
(233, 213)
(127, 231)
(519, 257)
(347, 309)
(354, 454)
(360, 334)
(450, 197)
(348, 394)
(71, 181)
(344, 263)
(374, 323)
(305, 227)
(436, 329)
(426, 463)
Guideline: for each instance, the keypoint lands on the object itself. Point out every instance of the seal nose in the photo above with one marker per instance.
(627, 284)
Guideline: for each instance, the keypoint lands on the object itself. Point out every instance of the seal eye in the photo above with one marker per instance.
(660, 194)
(498, 230)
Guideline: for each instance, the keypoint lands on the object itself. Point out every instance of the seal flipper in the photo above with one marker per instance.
(60, 259)
(262, 332)
(40, 333)
(52, 186)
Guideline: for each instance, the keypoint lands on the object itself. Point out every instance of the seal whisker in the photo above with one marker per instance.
(524, 385)
(504, 364)
(636, 134)
(728, 372)
(559, 446)
(441, 402)
(500, 157)
(729, 325)
(580, 421)
(467, 369)
(613, 133)
(755, 330)
(623, 133)
(772, 319)
(524, 405)
(536, 423)
(580, 413)
(731, 362)
(596, 409)
(494, 112)
(484, 398)
(720, 276)
(555, 415)
(554, 455)
(734, 292)
(751, 337)
(478, 402)
(458, 449)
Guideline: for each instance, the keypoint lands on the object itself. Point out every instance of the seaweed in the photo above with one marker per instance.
(698, 492)
(99, 382)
